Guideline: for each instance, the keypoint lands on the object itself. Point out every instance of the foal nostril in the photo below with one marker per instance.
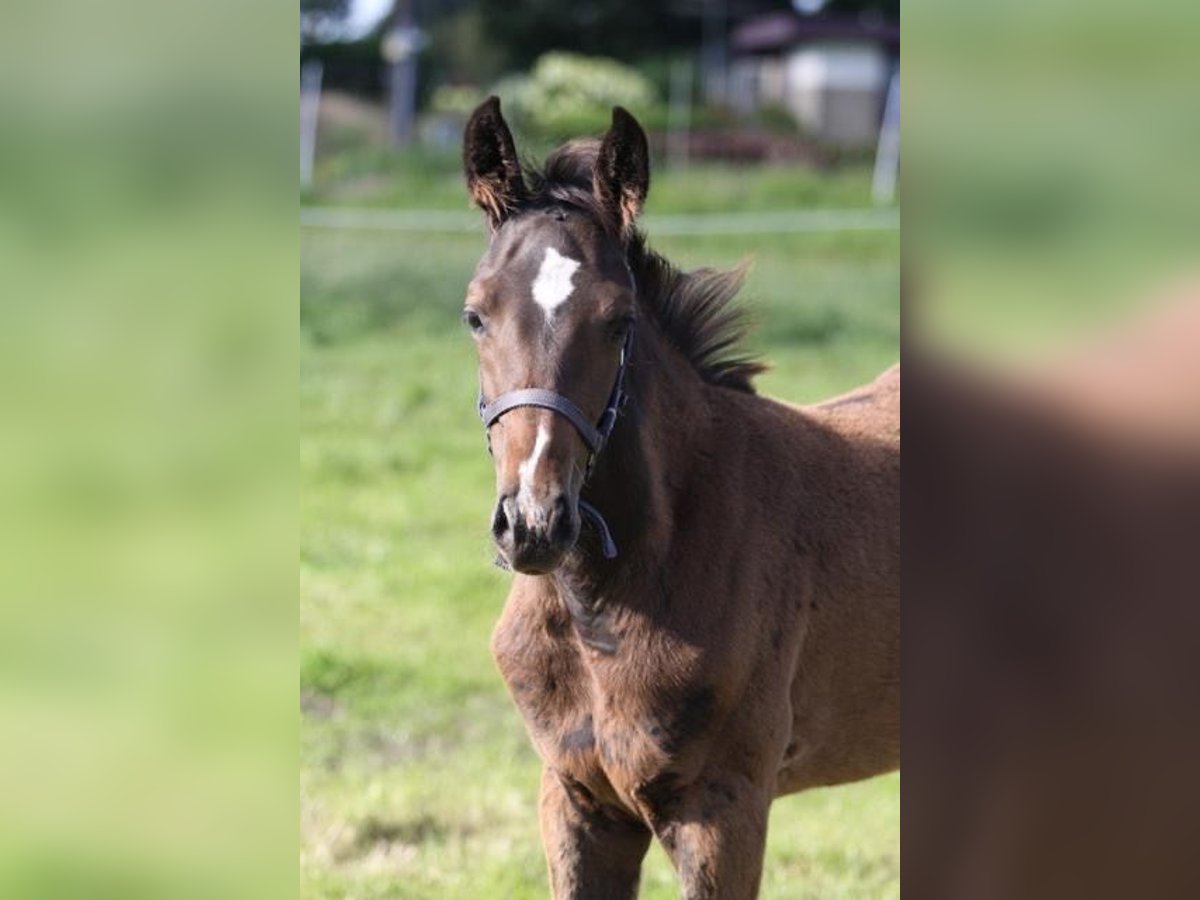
(502, 521)
(562, 524)
(561, 511)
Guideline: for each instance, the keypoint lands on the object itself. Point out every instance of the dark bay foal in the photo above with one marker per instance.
(705, 610)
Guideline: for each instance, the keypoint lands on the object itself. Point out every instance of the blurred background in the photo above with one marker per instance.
(732, 80)
(774, 134)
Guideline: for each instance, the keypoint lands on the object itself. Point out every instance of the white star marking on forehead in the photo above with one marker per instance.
(553, 283)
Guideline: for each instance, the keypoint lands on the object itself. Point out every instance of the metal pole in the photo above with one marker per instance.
(679, 112)
(310, 103)
(713, 50)
(404, 41)
(887, 155)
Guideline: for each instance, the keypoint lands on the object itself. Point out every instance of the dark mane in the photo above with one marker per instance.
(694, 310)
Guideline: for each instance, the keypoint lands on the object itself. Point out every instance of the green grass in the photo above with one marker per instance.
(417, 780)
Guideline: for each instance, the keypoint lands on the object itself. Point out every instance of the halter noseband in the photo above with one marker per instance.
(594, 436)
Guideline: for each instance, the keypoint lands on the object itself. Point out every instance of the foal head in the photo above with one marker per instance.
(550, 307)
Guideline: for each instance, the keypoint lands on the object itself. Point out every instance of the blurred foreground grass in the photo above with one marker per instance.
(147, 490)
(417, 779)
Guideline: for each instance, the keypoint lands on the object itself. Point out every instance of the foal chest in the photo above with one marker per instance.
(595, 731)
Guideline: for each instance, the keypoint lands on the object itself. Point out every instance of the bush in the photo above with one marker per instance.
(454, 100)
(566, 95)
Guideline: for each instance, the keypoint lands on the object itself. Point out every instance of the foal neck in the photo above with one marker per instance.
(644, 467)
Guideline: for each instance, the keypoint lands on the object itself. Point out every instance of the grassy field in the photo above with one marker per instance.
(416, 777)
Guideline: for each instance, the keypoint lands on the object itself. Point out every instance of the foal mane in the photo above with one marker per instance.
(694, 310)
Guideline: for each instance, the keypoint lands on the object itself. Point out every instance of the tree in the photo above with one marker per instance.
(320, 19)
(624, 29)
(627, 29)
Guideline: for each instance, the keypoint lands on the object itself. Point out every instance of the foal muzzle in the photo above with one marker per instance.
(534, 541)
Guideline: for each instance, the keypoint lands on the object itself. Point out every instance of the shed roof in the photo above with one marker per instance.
(776, 31)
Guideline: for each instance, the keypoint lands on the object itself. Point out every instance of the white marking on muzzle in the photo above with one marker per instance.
(533, 510)
(552, 286)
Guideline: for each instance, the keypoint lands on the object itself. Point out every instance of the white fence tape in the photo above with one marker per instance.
(774, 222)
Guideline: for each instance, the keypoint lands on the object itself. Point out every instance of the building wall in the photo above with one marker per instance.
(835, 90)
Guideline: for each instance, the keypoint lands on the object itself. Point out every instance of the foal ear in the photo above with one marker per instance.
(491, 165)
(622, 177)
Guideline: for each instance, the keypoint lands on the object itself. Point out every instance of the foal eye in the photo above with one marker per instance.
(473, 320)
(619, 327)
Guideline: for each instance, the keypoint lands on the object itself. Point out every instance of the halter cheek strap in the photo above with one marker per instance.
(594, 436)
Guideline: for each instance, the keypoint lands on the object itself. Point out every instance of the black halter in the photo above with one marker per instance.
(594, 436)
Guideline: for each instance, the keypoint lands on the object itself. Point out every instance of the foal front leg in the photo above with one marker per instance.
(592, 853)
(715, 833)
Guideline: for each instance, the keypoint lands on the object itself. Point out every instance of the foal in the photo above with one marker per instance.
(705, 610)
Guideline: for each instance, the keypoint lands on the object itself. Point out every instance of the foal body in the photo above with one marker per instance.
(746, 646)
(745, 641)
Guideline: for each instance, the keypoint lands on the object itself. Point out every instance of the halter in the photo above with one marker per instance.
(594, 436)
